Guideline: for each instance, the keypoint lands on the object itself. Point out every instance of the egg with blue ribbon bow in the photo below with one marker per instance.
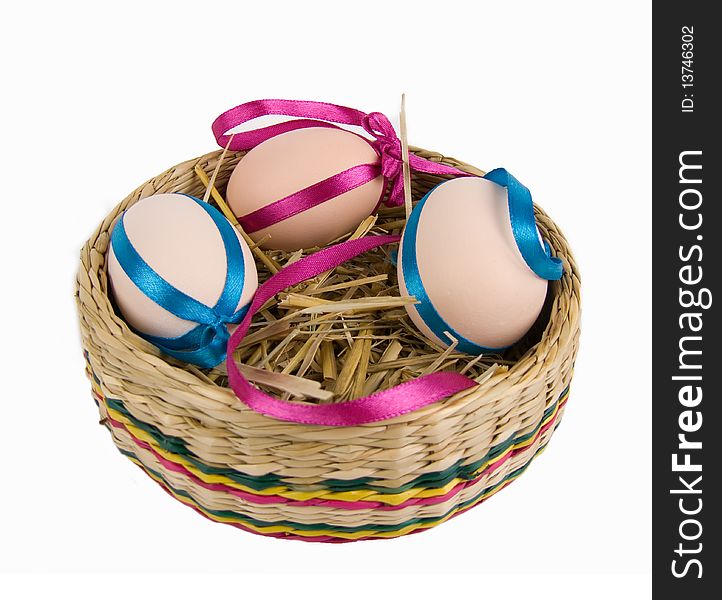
(472, 256)
(181, 276)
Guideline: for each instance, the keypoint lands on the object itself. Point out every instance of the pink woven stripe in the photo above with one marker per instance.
(341, 504)
(301, 538)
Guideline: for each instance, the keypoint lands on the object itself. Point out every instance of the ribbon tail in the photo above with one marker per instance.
(382, 405)
(207, 356)
(424, 165)
(523, 225)
(396, 193)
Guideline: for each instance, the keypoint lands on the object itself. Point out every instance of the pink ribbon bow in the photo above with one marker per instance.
(321, 114)
(388, 146)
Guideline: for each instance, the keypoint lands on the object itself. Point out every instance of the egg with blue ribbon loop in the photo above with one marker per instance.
(473, 257)
(181, 276)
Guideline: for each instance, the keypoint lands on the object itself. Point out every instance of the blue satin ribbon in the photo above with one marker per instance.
(523, 224)
(204, 345)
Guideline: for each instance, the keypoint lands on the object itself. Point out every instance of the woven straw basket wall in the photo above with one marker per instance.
(385, 479)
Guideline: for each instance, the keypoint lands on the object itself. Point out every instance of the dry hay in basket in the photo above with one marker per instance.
(343, 334)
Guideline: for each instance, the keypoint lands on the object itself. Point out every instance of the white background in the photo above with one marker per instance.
(99, 97)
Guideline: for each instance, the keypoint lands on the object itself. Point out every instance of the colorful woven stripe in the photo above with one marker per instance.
(322, 532)
(162, 456)
(428, 485)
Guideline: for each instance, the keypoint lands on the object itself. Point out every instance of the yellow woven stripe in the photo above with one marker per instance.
(328, 532)
(352, 495)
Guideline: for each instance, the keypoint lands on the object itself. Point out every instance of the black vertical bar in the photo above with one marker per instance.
(687, 337)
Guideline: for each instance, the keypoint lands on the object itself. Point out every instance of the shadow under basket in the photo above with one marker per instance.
(192, 435)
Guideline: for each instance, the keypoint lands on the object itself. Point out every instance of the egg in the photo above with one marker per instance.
(178, 268)
(459, 257)
(290, 162)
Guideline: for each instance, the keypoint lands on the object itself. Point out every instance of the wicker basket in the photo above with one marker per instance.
(310, 482)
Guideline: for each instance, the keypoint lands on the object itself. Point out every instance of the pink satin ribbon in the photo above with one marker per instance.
(321, 114)
(308, 197)
(386, 404)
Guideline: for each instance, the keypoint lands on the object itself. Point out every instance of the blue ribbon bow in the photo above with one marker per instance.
(204, 345)
(523, 225)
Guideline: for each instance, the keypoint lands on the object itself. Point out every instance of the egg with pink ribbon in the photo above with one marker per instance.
(308, 181)
(305, 187)
(473, 258)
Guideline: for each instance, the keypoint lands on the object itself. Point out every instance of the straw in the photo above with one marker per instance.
(405, 157)
(211, 189)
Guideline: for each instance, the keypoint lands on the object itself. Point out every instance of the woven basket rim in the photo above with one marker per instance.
(535, 355)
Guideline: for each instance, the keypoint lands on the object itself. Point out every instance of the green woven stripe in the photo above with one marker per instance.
(437, 479)
(339, 528)
(177, 445)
